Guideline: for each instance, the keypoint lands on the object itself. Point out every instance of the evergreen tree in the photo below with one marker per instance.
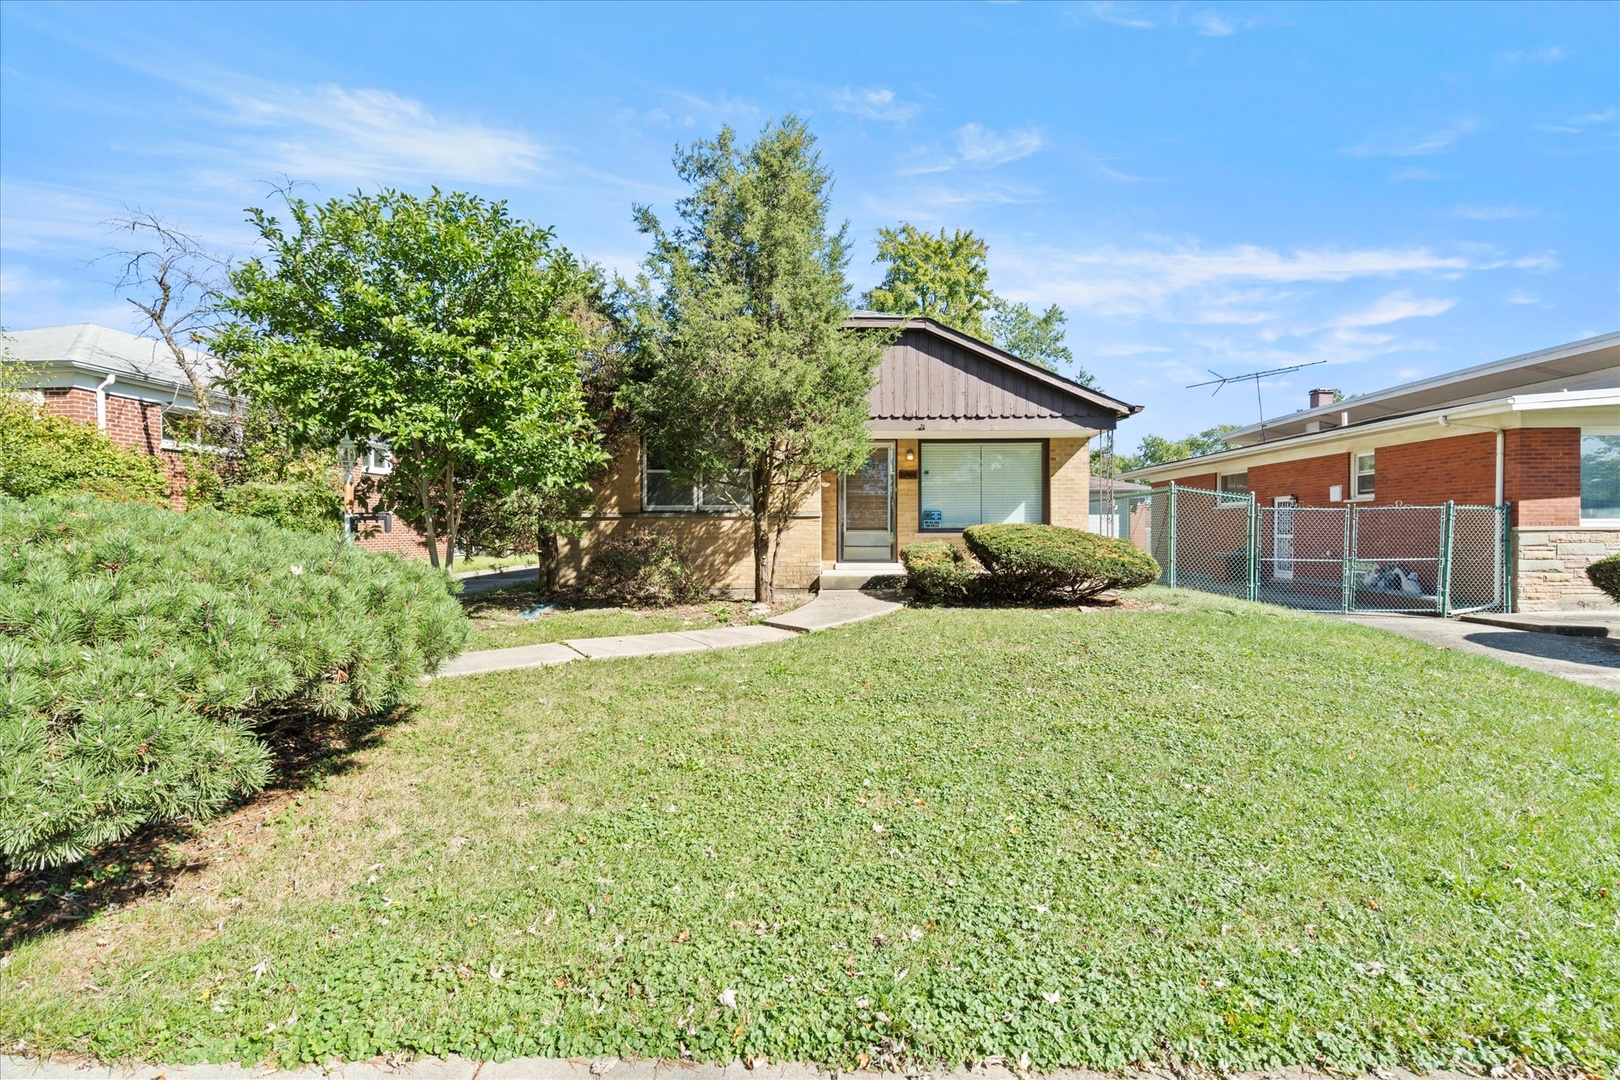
(743, 375)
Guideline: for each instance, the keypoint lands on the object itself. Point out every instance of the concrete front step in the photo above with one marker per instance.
(862, 576)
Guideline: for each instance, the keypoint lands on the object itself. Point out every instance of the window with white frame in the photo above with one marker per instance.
(1600, 476)
(378, 460)
(187, 429)
(973, 483)
(660, 491)
(1233, 488)
(1361, 474)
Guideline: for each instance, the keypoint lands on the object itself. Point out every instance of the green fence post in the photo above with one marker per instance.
(1505, 553)
(1254, 550)
(1172, 534)
(1442, 582)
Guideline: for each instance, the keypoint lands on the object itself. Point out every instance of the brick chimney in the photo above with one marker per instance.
(1320, 398)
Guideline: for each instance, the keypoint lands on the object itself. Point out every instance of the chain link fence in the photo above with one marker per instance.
(1433, 559)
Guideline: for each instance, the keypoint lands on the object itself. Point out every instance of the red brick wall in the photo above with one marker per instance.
(135, 424)
(404, 540)
(1541, 475)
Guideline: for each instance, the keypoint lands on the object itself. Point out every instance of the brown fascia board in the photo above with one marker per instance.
(984, 348)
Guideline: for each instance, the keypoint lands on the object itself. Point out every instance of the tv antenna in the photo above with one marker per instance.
(1220, 381)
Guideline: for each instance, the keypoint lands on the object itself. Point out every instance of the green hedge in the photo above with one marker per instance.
(143, 654)
(1605, 574)
(42, 454)
(1049, 562)
(939, 572)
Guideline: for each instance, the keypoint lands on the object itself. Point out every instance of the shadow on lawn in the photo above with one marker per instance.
(156, 858)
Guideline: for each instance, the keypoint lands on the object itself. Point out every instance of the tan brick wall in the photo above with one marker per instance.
(718, 546)
(1549, 567)
(1068, 482)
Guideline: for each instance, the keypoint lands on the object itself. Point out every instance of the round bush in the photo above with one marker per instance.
(1049, 562)
(1605, 574)
(939, 572)
(144, 652)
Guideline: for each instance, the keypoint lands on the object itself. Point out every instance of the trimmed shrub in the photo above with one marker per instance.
(1049, 562)
(308, 506)
(641, 569)
(143, 653)
(42, 454)
(1605, 574)
(939, 572)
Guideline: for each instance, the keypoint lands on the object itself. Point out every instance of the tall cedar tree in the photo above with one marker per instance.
(743, 372)
(439, 325)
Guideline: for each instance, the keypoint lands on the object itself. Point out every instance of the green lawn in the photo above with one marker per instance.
(1218, 834)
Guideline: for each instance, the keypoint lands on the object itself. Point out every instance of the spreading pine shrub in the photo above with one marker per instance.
(939, 572)
(1605, 574)
(143, 653)
(1049, 562)
(637, 568)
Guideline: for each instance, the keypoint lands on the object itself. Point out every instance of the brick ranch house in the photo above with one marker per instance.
(131, 388)
(1539, 432)
(962, 433)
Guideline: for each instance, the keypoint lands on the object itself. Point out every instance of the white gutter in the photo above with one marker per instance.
(101, 401)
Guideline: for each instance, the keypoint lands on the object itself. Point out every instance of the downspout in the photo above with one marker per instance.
(1499, 455)
(101, 402)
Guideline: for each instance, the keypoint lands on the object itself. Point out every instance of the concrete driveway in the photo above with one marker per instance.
(1594, 661)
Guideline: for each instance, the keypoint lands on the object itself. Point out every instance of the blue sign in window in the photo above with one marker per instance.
(933, 519)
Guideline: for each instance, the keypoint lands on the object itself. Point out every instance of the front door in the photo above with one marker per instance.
(1282, 538)
(866, 509)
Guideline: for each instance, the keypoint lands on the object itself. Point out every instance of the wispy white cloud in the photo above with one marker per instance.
(333, 132)
(1391, 308)
(873, 103)
(1419, 175)
(1540, 56)
(1576, 125)
(1131, 16)
(1483, 212)
(1128, 349)
(1522, 297)
(1212, 23)
(1413, 143)
(979, 145)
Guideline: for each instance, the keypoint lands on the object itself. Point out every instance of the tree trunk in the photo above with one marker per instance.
(548, 550)
(764, 587)
(426, 496)
(452, 515)
(760, 498)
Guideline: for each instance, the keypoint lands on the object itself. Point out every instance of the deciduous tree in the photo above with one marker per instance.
(438, 324)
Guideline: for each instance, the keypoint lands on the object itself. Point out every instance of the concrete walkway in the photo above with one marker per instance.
(827, 610)
(611, 1068)
(1593, 661)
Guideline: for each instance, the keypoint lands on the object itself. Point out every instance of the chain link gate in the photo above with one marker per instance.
(1430, 559)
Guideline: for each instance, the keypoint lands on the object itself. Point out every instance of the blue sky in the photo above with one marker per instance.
(1399, 190)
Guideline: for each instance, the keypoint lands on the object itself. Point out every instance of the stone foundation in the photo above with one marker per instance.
(1549, 567)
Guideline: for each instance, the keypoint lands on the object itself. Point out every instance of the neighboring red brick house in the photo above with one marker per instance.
(1539, 432)
(131, 388)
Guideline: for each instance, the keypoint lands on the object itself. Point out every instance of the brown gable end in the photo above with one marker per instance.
(935, 378)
